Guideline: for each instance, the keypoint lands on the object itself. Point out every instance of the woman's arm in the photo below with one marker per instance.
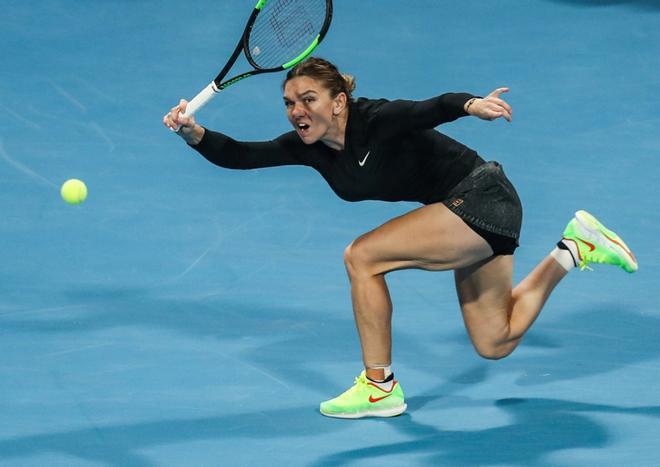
(226, 152)
(405, 115)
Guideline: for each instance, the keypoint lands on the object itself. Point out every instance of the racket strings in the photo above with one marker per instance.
(283, 30)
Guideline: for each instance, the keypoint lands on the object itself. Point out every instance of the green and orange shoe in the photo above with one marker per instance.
(366, 399)
(596, 244)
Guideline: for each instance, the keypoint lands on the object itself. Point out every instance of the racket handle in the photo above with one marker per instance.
(201, 99)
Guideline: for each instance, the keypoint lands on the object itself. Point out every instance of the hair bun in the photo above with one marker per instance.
(350, 82)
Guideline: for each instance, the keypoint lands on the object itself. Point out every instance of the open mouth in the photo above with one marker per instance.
(303, 128)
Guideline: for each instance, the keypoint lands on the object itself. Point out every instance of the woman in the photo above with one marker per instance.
(469, 222)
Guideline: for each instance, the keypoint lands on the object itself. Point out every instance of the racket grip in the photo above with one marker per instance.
(201, 99)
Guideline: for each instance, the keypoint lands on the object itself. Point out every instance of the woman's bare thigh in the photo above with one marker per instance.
(484, 293)
(431, 237)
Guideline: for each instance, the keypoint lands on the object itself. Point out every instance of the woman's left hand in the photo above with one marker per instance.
(490, 107)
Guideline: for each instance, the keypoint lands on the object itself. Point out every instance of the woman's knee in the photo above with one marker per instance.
(493, 349)
(356, 257)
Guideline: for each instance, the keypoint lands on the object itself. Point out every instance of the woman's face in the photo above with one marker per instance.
(310, 109)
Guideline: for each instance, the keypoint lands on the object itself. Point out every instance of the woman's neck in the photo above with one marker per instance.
(336, 135)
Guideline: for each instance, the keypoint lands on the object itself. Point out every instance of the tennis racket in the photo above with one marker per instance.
(278, 35)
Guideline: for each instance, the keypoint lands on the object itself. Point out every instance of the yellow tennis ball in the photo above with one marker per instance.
(74, 191)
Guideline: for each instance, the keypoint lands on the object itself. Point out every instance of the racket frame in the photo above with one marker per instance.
(218, 84)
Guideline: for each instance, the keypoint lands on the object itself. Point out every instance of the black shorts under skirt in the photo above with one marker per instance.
(488, 203)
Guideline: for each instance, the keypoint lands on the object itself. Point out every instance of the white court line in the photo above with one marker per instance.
(194, 263)
(215, 244)
(102, 134)
(95, 89)
(76, 349)
(259, 370)
(24, 169)
(41, 310)
(17, 116)
(68, 96)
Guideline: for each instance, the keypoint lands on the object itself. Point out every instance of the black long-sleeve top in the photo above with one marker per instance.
(391, 151)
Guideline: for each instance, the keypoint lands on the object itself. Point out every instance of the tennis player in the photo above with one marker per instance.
(469, 221)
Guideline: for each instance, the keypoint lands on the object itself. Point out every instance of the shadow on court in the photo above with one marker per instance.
(280, 337)
(541, 426)
(599, 340)
(641, 4)
(122, 444)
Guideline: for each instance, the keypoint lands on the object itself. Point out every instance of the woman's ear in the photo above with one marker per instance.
(339, 103)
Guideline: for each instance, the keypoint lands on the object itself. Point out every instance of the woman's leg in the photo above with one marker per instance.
(430, 238)
(434, 238)
(496, 317)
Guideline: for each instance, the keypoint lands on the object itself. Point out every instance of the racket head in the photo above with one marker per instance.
(284, 32)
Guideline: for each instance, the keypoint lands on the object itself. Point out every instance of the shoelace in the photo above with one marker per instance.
(584, 265)
(594, 257)
(358, 384)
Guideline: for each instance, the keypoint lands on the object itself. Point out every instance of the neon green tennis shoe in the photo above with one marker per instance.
(366, 399)
(597, 244)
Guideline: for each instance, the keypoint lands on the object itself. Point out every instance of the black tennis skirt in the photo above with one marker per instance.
(488, 203)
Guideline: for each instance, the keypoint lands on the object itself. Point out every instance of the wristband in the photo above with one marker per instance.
(470, 102)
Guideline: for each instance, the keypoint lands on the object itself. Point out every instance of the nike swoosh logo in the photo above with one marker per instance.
(591, 246)
(373, 399)
(364, 160)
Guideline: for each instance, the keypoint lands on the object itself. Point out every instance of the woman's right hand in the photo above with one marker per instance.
(186, 127)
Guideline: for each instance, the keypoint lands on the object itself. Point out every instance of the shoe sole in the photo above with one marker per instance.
(594, 230)
(393, 412)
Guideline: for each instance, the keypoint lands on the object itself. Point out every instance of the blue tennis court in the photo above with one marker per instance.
(187, 315)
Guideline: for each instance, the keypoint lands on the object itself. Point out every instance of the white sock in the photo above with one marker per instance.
(566, 254)
(387, 383)
(387, 370)
(384, 385)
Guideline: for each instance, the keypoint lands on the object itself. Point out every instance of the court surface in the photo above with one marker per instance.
(187, 315)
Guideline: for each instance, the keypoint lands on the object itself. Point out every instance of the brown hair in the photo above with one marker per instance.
(326, 73)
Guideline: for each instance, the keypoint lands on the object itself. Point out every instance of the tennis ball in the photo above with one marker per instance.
(74, 191)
